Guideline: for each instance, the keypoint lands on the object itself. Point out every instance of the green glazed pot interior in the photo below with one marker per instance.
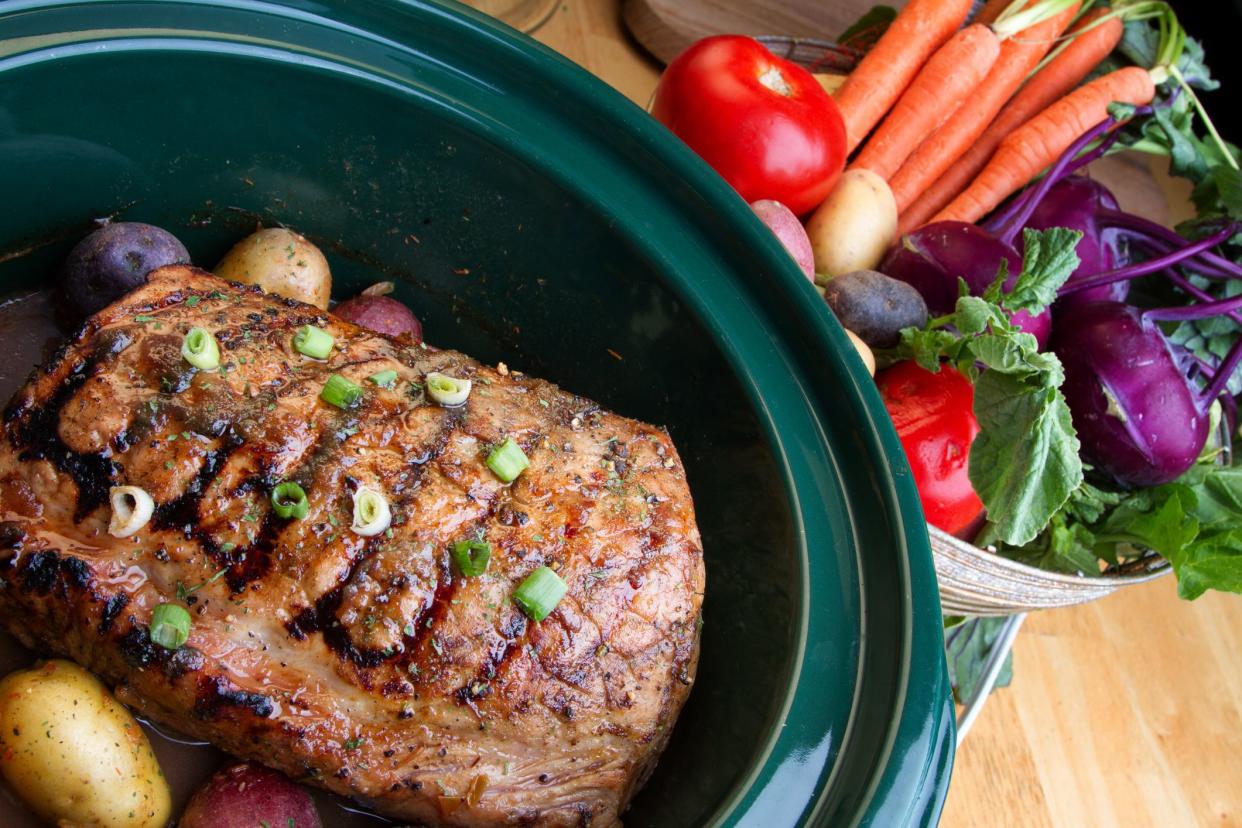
(531, 215)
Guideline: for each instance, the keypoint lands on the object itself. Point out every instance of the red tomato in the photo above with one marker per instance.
(764, 124)
(934, 416)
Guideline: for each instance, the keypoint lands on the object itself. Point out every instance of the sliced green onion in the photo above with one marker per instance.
(313, 342)
(447, 390)
(289, 500)
(371, 513)
(200, 349)
(384, 379)
(539, 594)
(170, 626)
(340, 392)
(132, 507)
(507, 460)
(472, 556)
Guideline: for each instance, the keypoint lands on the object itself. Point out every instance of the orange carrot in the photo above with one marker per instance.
(1037, 143)
(1018, 56)
(991, 10)
(883, 74)
(954, 72)
(1054, 81)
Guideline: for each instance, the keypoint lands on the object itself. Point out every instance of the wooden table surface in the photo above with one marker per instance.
(1125, 712)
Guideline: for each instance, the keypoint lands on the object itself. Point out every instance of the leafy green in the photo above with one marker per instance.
(1089, 503)
(868, 28)
(1172, 127)
(1195, 522)
(1063, 546)
(1141, 44)
(1210, 339)
(968, 646)
(1024, 462)
(1048, 259)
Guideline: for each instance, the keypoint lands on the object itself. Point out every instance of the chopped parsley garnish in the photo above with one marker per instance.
(183, 592)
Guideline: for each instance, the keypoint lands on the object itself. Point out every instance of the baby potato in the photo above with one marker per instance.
(855, 226)
(282, 262)
(247, 795)
(74, 754)
(868, 358)
(830, 81)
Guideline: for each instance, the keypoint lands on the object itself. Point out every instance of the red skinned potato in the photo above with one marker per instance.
(781, 221)
(373, 310)
(246, 795)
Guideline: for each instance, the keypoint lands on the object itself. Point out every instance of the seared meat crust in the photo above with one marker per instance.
(366, 665)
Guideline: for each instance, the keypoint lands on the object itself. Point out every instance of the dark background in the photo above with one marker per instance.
(1216, 23)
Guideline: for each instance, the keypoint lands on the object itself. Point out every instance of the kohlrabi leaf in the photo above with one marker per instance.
(1048, 260)
(1024, 463)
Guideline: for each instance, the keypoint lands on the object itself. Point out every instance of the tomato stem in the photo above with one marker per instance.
(774, 80)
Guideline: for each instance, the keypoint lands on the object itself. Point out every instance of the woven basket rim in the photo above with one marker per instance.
(1155, 568)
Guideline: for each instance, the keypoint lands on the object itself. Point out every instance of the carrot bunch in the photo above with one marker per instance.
(957, 119)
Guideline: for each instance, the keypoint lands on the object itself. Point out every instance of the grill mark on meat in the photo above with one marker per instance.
(12, 535)
(499, 657)
(323, 616)
(185, 659)
(216, 693)
(307, 621)
(431, 616)
(183, 512)
(39, 573)
(138, 649)
(254, 561)
(112, 608)
(35, 428)
(245, 564)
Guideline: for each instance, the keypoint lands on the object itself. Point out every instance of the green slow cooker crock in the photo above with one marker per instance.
(532, 215)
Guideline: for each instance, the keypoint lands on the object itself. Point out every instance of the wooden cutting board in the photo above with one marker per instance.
(523, 15)
(666, 27)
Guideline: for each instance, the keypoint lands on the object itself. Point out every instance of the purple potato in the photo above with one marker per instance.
(381, 314)
(114, 260)
(874, 306)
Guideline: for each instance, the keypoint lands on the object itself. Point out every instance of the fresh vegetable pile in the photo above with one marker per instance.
(1062, 373)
